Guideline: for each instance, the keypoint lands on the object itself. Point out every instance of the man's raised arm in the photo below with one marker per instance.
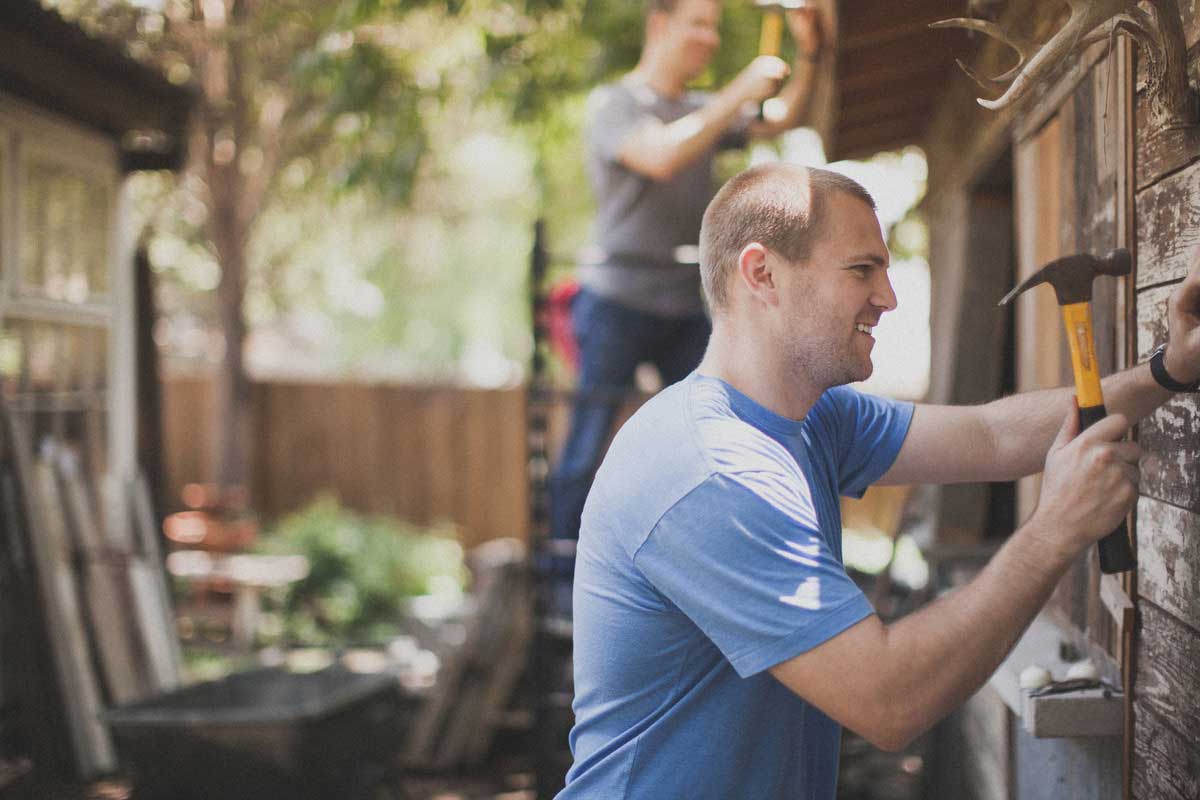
(1009, 438)
(660, 149)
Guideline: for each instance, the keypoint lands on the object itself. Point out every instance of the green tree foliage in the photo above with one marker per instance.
(347, 150)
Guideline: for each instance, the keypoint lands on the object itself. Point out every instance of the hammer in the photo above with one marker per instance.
(1072, 278)
(770, 38)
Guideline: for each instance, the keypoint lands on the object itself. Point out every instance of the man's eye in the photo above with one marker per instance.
(862, 269)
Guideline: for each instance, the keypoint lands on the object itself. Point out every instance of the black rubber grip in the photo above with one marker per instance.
(1116, 554)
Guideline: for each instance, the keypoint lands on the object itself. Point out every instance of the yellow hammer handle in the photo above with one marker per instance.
(770, 39)
(1078, 319)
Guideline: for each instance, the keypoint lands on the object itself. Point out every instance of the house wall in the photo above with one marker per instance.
(1068, 194)
(1166, 698)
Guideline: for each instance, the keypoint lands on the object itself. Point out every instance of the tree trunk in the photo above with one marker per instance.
(232, 410)
(226, 114)
(232, 386)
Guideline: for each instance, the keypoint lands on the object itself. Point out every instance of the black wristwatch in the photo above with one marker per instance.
(1159, 370)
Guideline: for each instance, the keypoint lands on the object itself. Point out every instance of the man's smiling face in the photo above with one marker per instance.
(834, 299)
(691, 34)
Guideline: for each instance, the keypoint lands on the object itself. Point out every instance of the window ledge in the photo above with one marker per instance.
(1086, 712)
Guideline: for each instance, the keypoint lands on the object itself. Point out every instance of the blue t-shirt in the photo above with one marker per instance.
(710, 551)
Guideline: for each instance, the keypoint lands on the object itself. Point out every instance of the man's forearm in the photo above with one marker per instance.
(793, 100)
(1022, 426)
(941, 655)
(1134, 393)
(660, 151)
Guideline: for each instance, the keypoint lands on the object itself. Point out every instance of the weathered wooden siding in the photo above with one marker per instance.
(1166, 750)
(1069, 192)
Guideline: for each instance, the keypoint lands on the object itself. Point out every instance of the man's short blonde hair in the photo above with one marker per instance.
(780, 206)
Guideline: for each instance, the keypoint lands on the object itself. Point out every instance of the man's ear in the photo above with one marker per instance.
(756, 274)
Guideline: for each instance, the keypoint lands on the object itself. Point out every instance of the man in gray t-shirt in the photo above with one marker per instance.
(650, 146)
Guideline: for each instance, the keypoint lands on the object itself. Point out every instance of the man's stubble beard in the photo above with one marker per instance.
(819, 357)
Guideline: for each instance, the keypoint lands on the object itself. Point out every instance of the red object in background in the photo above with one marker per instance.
(216, 520)
(204, 531)
(556, 320)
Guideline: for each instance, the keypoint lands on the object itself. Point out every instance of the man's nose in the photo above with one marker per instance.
(883, 295)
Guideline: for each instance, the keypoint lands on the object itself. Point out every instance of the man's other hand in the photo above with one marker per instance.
(1182, 358)
(761, 78)
(808, 31)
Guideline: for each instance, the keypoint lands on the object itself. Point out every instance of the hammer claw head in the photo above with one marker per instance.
(1072, 276)
(1032, 280)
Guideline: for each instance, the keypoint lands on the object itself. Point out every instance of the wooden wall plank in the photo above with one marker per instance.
(1168, 228)
(1160, 152)
(1038, 198)
(1090, 206)
(1168, 682)
(1166, 765)
(1170, 433)
(1169, 558)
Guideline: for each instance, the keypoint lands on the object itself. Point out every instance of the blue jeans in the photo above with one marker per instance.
(613, 340)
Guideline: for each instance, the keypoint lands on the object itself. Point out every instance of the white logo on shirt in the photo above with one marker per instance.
(807, 595)
(810, 552)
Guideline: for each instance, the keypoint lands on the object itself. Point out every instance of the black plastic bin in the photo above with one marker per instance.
(266, 734)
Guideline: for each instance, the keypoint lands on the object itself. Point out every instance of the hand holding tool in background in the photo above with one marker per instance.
(804, 22)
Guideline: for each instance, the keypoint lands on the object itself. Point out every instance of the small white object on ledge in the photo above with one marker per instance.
(1083, 670)
(1034, 677)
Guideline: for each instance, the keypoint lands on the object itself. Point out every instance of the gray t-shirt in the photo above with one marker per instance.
(643, 226)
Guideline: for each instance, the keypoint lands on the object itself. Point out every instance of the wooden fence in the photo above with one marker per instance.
(420, 453)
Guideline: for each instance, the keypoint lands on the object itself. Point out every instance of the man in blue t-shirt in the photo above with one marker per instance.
(719, 644)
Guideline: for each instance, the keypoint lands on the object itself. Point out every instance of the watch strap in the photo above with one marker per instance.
(1159, 370)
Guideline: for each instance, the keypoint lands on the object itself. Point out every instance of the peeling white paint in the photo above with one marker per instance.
(1168, 556)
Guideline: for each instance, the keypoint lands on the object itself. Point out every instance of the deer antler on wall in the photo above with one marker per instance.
(1172, 104)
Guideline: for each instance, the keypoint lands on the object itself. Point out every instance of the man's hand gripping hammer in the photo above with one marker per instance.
(1072, 278)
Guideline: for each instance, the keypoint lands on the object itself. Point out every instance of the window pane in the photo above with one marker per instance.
(64, 247)
(54, 377)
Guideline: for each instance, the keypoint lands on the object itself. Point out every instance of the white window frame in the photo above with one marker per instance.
(27, 131)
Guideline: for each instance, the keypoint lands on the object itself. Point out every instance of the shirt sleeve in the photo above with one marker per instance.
(737, 135)
(869, 432)
(743, 558)
(613, 114)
